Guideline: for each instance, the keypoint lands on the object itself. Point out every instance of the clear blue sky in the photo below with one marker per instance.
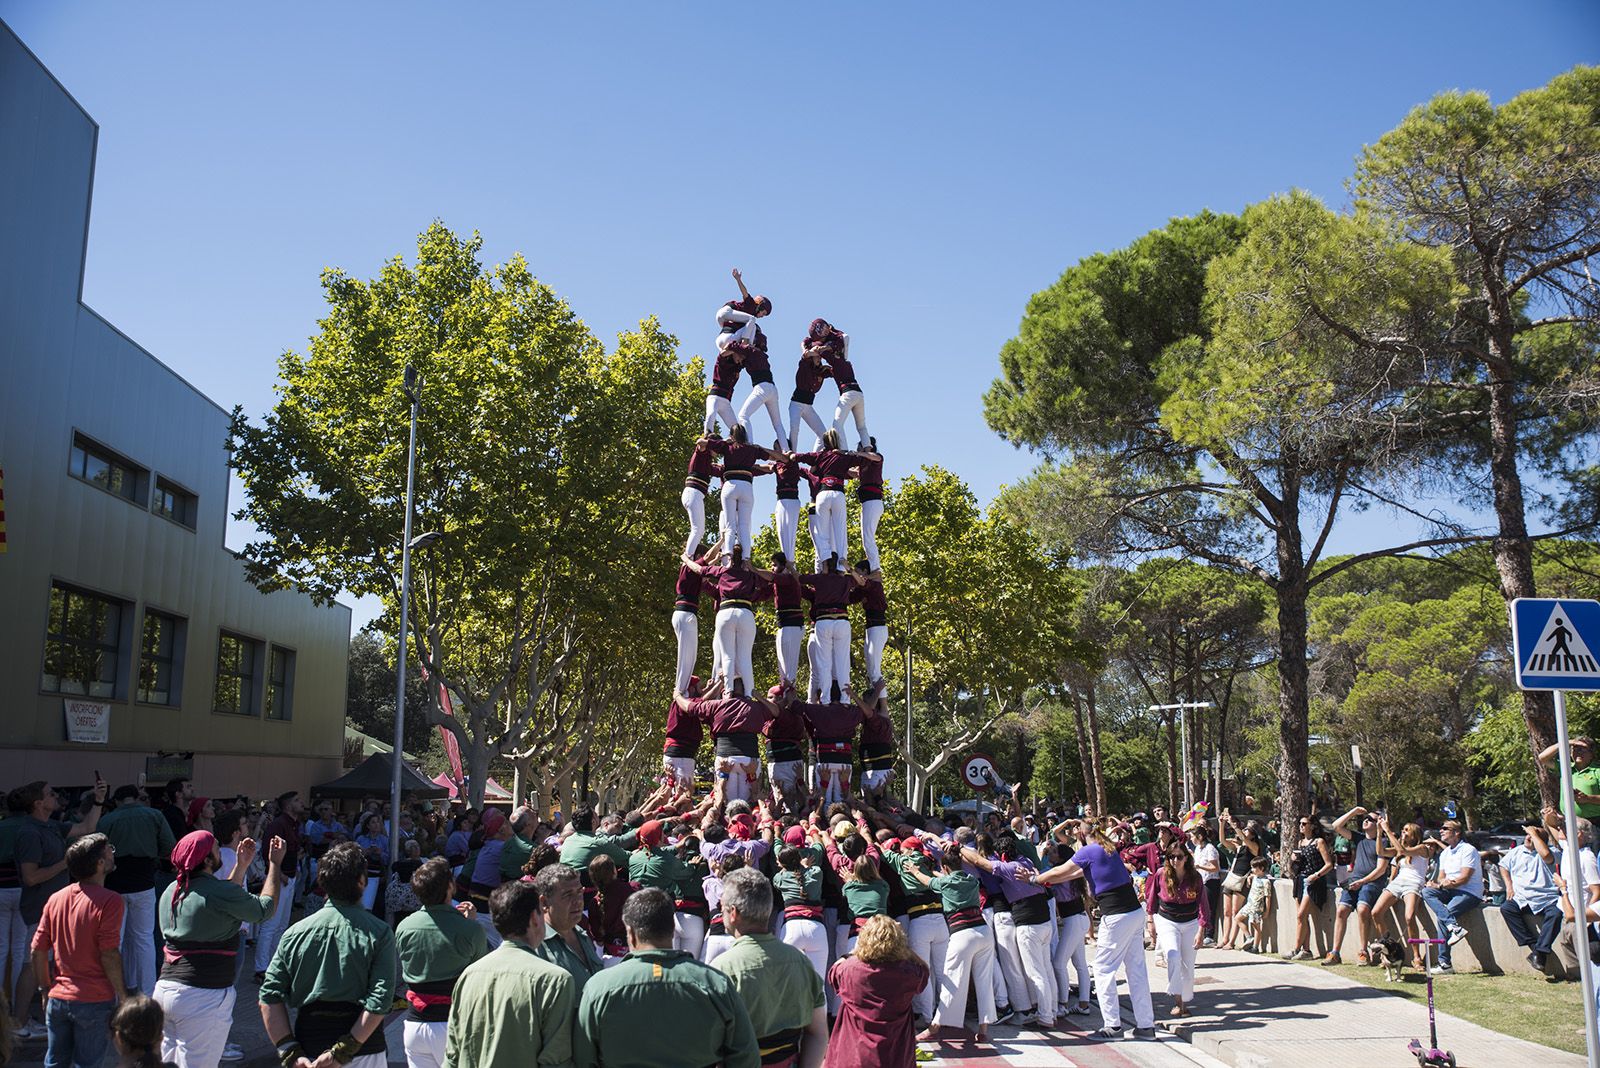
(912, 172)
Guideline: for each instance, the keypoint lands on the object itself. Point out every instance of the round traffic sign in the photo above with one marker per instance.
(979, 771)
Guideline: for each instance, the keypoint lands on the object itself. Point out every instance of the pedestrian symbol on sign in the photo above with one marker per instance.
(1559, 650)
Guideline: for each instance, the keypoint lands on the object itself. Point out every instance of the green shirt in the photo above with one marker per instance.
(659, 867)
(1029, 851)
(957, 890)
(867, 899)
(138, 831)
(516, 853)
(436, 943)
(510, 1010)
(210, 911)
(341, 952)
(661, 1008)
(803, 887)
(580, 848)
(779, 987)
(903, 862)
(580, 963)
(1587, 781)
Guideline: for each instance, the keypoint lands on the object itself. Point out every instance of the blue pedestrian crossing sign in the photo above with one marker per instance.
(1555, 643)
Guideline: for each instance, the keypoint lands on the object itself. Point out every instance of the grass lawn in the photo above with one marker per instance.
(1525, 1006)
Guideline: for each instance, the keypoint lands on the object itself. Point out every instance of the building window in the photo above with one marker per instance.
(280, 684)
(83, 644)
(99, 466)
(161, 658)
(238, 676)
(174, 502)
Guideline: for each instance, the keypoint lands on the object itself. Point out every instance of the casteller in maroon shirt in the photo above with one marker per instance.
(874, 1027)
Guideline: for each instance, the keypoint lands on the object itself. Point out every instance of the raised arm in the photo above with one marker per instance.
(744, 293)
(1341, 826)
(1063, 872)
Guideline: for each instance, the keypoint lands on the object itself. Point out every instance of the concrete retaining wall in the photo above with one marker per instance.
(1488, 946)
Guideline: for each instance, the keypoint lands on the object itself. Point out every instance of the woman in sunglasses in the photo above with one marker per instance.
(1175, 898)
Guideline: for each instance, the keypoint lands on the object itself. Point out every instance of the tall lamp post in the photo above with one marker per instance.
(413, 390)
(1182, 708)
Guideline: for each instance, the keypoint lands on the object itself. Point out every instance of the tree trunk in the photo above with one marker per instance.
(1099, 796)
(1083, 749)
(477, 763)
(1294, 690)
(1513, 552)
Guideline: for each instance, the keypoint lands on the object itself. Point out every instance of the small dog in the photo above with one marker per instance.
(1391, 953)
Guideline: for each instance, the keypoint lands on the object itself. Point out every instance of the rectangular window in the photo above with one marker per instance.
(174, 502)
(83, 643)
(161, 658)
(99, 466)
(238, 676)
(280, 684)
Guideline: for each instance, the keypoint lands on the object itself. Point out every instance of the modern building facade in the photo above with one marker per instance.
(129, 634)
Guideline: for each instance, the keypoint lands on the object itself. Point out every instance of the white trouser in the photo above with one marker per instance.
(273, 926)
(489, 932)
(833, 655)
(877, 639)
(763, 395)
(694, 502)
(13, 936)
(968, 958)
(1033, 948)
(424, 1043)
(715, 946)
(834, 781)
(997, 980)
(786, 774)
(929, 936)
(810, 938)
(812, 527)
(739, 777)
(679, 770)
(139, 941)
(1070, 949)
(370, 1060)
(831, 530)
(688, 933)
(1005, 944)
(787, 642)
(799, 411)
(196, 1025)
(871, 512)
(738, 502)
(813, 650)
(875, 780)
(1175, 945)
(686, 628)
(1119, 943)
(736, 637)
(787, 518)
(718, 408)
(852, 401)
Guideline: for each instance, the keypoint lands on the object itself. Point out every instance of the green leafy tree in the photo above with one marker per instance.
(549, 463)
(1181, 406)
(1512, 195)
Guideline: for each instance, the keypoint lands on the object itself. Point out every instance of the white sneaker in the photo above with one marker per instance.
(30, 1031)
(232, 1052)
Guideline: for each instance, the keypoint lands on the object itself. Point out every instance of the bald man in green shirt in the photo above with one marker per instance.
(659, 1007)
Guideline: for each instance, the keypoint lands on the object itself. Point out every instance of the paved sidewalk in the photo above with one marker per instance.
(1255, 1013)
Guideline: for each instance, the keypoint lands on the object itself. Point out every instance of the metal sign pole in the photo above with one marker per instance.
(1576, 888)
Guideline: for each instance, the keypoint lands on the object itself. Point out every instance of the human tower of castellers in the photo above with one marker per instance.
(1002, 916)
(738, 713)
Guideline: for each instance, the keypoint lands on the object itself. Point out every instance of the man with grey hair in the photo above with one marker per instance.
(565, 943)
(780, 989)
(519, 847)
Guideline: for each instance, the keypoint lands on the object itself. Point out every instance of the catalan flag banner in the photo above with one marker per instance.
(2, 509)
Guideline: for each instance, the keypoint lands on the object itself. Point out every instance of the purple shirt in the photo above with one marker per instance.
(1104, 871)
(753, 850)
(1013, 881)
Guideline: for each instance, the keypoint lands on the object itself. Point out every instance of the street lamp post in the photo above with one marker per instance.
(1182, 708)
(413, 390)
